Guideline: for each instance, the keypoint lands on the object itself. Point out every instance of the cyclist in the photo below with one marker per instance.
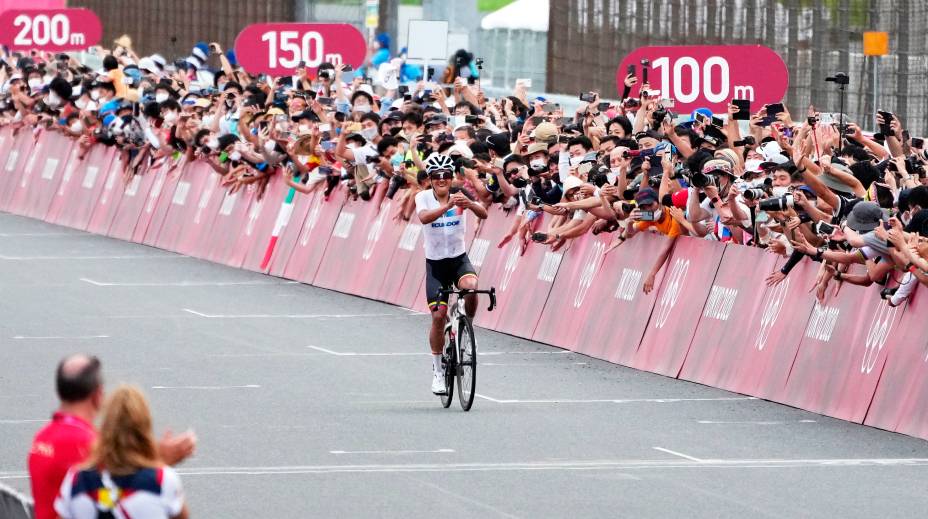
(441, 211)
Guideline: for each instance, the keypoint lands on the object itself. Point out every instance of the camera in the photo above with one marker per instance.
(781, 203)
(701, 180)
(472, 119)
(373, 159)
(747, 141)
(588, 97)
(839, 79)
(396, 182)
(598, 176)
(479, 63)
(754, 193)
(463, 162)
(627, 207)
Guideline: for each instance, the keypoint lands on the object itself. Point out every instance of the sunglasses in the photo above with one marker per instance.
(441, 175)
(512, 171)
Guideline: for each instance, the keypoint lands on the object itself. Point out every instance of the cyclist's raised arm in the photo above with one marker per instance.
(427, 216)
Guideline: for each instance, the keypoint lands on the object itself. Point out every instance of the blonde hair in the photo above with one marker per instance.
(126, 442)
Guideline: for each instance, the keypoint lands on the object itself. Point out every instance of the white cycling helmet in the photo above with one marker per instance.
(438, 162)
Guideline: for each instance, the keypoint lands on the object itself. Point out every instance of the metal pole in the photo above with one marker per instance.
(876, 86)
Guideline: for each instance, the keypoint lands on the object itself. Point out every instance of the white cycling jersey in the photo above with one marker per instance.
(444, 238)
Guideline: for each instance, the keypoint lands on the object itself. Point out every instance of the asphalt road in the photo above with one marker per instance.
(310, 403)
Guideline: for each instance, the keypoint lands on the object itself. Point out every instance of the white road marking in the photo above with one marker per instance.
(180, 283)
(525, 364)
(620, 465)
(425, 353)
(614, 401)
(436, 451)
(753, 422)
(115, 257)
(285, 316)
(23, 421)
(57, 337)
(680, 454)
(208, 388)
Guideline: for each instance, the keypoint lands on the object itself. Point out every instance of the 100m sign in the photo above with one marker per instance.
(280, 48)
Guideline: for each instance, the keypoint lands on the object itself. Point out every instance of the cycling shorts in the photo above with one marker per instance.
(445, 273)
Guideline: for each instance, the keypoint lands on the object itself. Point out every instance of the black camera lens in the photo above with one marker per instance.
(701, 180)
(396, 182)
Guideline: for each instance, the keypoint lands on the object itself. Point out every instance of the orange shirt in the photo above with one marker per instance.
(666, 226)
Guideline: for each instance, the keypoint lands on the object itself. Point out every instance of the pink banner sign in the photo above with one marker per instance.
(278, 49)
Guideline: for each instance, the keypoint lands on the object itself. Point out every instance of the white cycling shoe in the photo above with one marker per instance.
(438, 384)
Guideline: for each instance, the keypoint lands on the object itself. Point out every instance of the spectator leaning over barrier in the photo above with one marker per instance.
(67, 440)
(124, 475)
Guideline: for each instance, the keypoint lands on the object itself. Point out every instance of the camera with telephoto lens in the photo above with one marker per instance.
(396, 183)
(781, 203)
(701, 180)
(598, 176)
(754, 193)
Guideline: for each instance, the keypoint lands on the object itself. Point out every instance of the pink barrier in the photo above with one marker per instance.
(900, 402)
(21, 146)
(290, 235)
(171, 173)
(110, 198)
(614, 314)
(683, 293)
(131, 204)
(710, 319)
(314, 236)
(75, 208)
(842, 353)
(573, 274)
(726, 324)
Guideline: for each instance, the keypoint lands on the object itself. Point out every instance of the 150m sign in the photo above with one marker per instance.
(280, 48)
(709, 76)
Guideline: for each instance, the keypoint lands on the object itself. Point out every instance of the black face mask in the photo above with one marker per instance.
(519, 182)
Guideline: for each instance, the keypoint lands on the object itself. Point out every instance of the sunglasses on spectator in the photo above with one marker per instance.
(512, 171)
(441, 175)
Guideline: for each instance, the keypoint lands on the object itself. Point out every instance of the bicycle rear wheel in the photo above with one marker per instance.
(466, 363)
(450, 369)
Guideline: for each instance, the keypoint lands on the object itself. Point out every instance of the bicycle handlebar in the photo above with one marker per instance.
(465, 291)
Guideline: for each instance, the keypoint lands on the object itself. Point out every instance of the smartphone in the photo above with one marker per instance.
(472, 80)
(326, 101)
(472, 119)
(667, 102)
(526, 82)
(325, 128)
(588, 97)
(539, 237)
(403, 90)
(407, 97)
(701, 118)
(602, 107)
(773, 109)
(549, 107)
(347, 69)
(646, 216)
(744, 109)
(564, 121)
(328, 145)
(885, 128)
(644, 70)
(630, 70)
(537, 120)
(918, 143)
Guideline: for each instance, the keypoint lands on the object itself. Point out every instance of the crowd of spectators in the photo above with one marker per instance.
(797, 186)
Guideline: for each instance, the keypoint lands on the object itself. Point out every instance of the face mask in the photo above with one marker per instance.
(235, 155)
(539, 164)
(212, 143)
(170, 117)
(48, 78)
(269, 146)
(95, 94)
(780, 190)
(460, 142)
(221, 87)
(362, 108)
(76, 127)
(369, 133)
(161, 97)
(519, 182)
(658, 214)
(52, 100)
(35, 83)
(207, 121)
(575, 161)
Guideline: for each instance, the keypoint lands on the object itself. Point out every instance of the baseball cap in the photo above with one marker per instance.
(646, 195)
(545, 132)
(535, 147)
(865, 217)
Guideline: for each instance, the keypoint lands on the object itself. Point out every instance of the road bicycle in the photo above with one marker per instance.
(460, 356)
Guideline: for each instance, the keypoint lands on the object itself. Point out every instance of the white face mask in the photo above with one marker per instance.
(369, 133)
(212, 143)
(658, 214)
(161, 97)
(95, 94)
(461, 142)
(538, 164)
(80, 104)
(235, 155)
(362, 108)
(52, 100)
(76, 127)
(48, 78)
(780, 190)
(35, 83)
(170, 117)
(575, 161)
(269, 146)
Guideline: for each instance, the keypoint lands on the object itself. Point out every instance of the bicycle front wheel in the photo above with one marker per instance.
(450, 369)
(467, 363)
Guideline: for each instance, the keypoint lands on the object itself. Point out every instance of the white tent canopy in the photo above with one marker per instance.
(531, 15)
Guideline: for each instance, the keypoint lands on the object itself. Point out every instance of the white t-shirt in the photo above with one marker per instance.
(444, 238)
(147, 494)
(362, 153)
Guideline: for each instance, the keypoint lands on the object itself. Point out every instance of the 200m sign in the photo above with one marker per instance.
(280, 48)
(709, 76)
(51, 30)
